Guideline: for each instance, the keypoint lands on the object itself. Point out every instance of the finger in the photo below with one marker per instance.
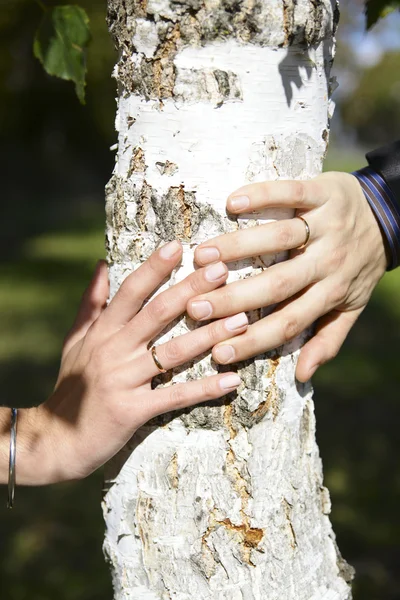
(140, 284)
(331, 331)
(167, 306)
(182, 395)
(92, 304)
(267, 194)
(270, 238)
(280, 327)
(275, 284)
(184, 348)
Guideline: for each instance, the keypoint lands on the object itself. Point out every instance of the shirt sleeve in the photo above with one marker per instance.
(383, 203)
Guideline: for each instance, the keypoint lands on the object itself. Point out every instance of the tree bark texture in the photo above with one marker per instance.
(224, 501)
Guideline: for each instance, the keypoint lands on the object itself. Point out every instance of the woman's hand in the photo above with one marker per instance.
(103, 393)
(329, 281)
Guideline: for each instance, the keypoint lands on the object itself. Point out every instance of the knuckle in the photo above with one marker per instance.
(314, 271)
(128, 285)
(338, 295)
(290, 328)
(215, 332)
(298, 192)
(248, 345)
(158, 309)
(281, 288)
(173, 352)
(265, 189)
(178, 396)
(337, 258)
(284, 236)
(195, 283)
(314, 188)
(155, 265)
(131, 289)
(238, 240)
(208, 388)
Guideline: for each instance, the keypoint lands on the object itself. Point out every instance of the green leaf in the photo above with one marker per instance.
(61, 43)
(377, 9)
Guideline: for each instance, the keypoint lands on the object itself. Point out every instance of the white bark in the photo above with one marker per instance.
(221, 502)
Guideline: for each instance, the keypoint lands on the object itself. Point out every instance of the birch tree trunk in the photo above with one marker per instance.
(224, 501)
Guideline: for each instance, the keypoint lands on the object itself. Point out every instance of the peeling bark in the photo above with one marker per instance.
(226, 500)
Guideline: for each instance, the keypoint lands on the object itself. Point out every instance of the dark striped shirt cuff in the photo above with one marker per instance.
(384, 205)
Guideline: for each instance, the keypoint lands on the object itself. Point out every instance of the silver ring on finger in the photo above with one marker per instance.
(156, 361)
(308, 233)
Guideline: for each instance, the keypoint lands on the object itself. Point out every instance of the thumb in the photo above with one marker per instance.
(331, 331)
(92, 305)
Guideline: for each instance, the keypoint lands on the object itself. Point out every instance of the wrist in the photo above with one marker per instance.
(35, 455)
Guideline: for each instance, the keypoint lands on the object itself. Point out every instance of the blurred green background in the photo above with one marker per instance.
(55, 161)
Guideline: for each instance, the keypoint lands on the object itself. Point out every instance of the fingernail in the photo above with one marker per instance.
(224, 354)
(206, 255)
(236, 322)
(230, 382)
(215, 272)
(239, 202)
(170, 249)
(201, 309)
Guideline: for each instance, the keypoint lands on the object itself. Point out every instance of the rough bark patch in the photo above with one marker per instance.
(115, 216)
(137, 164)
(217, 86)
(167, 168)
(276, 23)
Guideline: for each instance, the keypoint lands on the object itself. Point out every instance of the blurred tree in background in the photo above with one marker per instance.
(372, 111)
(55, 161)
(53, 149)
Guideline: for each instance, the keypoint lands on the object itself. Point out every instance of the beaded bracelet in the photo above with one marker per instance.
(11, 467)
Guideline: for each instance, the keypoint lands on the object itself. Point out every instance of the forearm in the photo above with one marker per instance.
(5, 415)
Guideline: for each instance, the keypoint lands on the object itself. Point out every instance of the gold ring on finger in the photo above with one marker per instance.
(308, 233)
(156, 361)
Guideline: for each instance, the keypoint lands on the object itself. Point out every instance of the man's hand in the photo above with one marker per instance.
(330, 281)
